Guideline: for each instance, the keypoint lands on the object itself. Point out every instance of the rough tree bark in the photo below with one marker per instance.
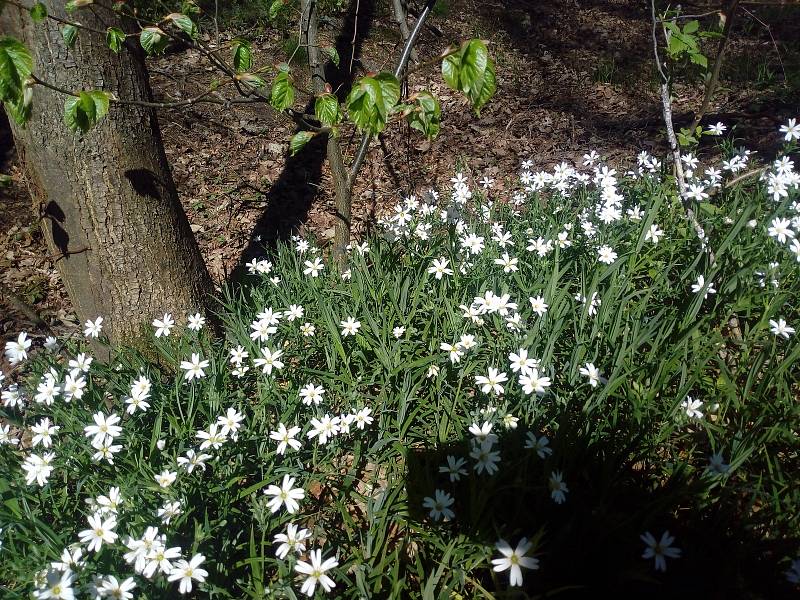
(107, 199)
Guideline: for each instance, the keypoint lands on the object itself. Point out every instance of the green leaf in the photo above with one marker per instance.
(282, 95)
(275, 9)
(184, 23)
(332, 53)
(691, 27)
(242, 56)
(252, 80)
(190, 8)
(699, 59)
(83, 111)
(390, 92)
(38, 12)
(73, 5)
(20, 109)
(153, 40)
(115, 38)
(487, 89)
(425, 116)
(300, 139)
(16, 65)
(473, 64)
(70, 34)
(366, 106)
(326, 108)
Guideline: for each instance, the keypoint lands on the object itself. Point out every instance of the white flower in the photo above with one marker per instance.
(454, 351)
(57, 585)
(315, 572)
(659, 549)
(269, 360)
(362, 418)
(440, 268)
(558, 489)
(592, 373)
(779, 229)
(717, 129)
(482, 432)
(185, 572)
(509, 264)
(38, 468)
(285, 438)
(93, 328)
(717, 464)
(196, 322)
(491, 383)
(313, 268)
(606, 255)
(791, 129)
(82, 362)
(692, 408)
(99, 531)
(350, 326)
(166, 478)
(291, 541)
(194, 367)
(295, 312)
(696, 192)
(454, 468)
(325, 428)
(286, 494)
(700, 284)
(164, 325)
(17, 351)
(43, 433)
(113, 588)
(514, 559)
(230, 422)
(541, 445)
(653, 234)
(780, 328)
(110, 504)
(531, 382)
(105, 428)
(439, 505)
(307, 329)
(311, 393)
(213, 438)
(538, 305)
(485, 458)
(521, 362)
(192, 460)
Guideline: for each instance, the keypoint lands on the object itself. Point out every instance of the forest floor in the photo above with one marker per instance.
(573, 76)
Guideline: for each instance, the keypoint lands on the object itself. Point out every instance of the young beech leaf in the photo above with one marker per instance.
(16, 65)
(153, 40)
(252, 80)
(425, 115)
(326, 108)
(76, 4)
(282, 95)
(115, 38)
(275, 9)
(83, 111)
(300, 139)
(242, 56)
(184, 23)
(70, 34)
(38, 12)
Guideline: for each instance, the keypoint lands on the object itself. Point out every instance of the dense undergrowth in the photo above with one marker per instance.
(565, 364)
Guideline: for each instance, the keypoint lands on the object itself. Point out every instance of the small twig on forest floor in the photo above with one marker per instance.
(774, 43)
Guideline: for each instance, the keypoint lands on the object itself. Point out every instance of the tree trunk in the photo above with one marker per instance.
(107, 198)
